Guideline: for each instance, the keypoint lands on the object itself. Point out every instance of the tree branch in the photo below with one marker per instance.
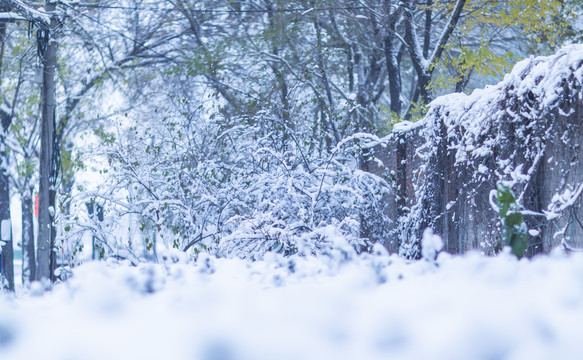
(447, 31)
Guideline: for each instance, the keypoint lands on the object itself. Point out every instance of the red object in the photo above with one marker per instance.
(36, 205)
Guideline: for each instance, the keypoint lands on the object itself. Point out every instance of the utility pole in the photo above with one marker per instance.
(7, 256)
(46, 240)
(12, 10)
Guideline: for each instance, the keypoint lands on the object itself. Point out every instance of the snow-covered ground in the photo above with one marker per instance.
(332, 307)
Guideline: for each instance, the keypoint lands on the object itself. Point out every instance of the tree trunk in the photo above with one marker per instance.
(28, 256)
(46, 213)
(424, 66)
(5, 232)
(424, 83)
(7, 257)
(427, 30)
(394, 75)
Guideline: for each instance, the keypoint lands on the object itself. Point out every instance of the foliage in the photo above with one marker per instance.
(514, 232)
(496, 34)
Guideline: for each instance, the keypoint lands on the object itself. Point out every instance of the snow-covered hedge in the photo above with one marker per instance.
(232, 188)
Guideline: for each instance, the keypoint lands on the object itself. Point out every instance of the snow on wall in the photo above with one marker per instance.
(527, 130)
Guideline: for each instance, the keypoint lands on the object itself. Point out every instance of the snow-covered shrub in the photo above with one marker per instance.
(238, 187)
(431, 245)
(291, 210)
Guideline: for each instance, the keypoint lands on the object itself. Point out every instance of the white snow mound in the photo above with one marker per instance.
(370, 307)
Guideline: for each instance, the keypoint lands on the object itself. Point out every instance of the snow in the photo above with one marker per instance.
(563, 201)
(370, 307)
(431, 244)
(405, 126)
(10, 16)
(503, 132)
(30, 12)
(540, 79)
(533, 232)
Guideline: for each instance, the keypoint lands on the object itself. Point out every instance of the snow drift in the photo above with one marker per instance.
(372, 306)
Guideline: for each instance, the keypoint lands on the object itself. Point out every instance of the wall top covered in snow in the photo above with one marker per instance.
(526, 130)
